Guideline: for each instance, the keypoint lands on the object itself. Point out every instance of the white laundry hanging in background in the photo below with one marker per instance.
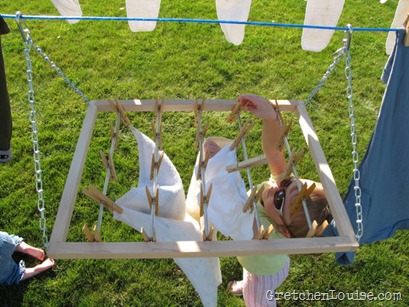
(320, 13)
(237, 10)
(68, 8)
(142, 9)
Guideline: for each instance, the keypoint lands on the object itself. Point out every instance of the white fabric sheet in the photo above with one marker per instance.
(172, 224)
(142, 9)
(233, 10)
(68, 8)
(320, 13)
(228, 196)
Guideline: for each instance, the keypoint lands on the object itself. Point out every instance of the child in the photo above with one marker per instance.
(263, 274)
(10, 271)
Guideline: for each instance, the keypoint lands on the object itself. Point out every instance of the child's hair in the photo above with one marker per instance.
(318, 209)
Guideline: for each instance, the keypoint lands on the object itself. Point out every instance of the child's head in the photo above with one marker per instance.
(318, 209)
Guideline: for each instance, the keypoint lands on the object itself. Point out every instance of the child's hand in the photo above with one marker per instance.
(259, 106)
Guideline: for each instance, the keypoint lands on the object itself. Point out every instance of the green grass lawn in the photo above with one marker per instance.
(182, 61)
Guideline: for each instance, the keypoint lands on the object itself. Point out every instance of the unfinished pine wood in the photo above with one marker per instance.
(60, 249)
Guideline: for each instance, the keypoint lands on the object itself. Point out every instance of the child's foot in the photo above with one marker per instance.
(5, 155)
(236, 287)
(46, 264)
(31, 250)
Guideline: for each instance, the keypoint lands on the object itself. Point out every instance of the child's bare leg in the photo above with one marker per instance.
(30, 250)
(30, 272)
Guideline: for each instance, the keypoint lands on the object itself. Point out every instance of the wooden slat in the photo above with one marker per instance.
(182, 105)
(65, 210)
(193, 249)
(328, 182)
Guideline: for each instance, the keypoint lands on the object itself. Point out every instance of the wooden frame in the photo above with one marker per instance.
(60, 249)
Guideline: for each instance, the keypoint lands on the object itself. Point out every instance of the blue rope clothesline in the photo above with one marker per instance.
(185, 20)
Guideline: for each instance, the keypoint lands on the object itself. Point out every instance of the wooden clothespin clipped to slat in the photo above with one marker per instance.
(100, 198)
(293, 160)
(156, 164)
(285, 130)
(198, 110)
(157, 135)
(92, 237)
(109, 163)
(268, 232)
(114, 134)
(204, 199)
(233, 114)
(406, 25)
(209, 237)
(321, 228)
(304, 193)
(153, 201)
(243, 132)
(312, 230)
(88, 233)
(118, 106)
(145, 236)
(250, 201)
(200, 134)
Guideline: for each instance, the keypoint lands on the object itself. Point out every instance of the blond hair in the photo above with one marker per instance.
(318, 209)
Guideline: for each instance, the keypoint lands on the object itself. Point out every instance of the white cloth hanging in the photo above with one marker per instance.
(142, 9)
(320, 13)
(173, 223)
(400, 16)
(228, 196)
(68, 8)
(233, 10)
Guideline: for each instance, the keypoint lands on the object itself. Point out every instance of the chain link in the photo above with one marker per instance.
(338, 55)
(354, 139)
(28, 43)
(28, 46)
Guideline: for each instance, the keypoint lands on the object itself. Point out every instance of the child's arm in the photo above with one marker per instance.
(263, 109)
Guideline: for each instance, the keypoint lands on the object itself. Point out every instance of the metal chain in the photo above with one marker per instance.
(338, 55)
(28, 43)
(354, 140)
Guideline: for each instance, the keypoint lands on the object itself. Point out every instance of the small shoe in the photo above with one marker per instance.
(236, 287)
(5, 155)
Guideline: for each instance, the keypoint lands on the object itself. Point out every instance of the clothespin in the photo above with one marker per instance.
(204, 199)
(114, 134)
(100, 198)
(92, 237)
(88, 233)
(293, 160)
(406, 25)
(156, 164)
(200, 134)
(263, 234)
(321, 228)
(109, 163)
(233, 114)
(153, 201)
(268, 232)
(243, 132)
(304, 193)
(208, 237)
(285, 130)
(145, 236)
(118, 106)
(250, 201)
(312, 230)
